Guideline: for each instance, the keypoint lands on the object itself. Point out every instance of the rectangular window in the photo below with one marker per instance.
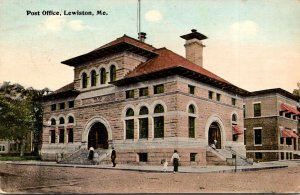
(191, 89)
(288, 141)
(218, 97)
(71, 104)
(245, 137)
(234, 137)
(143, 157)
(257, 137)
(159, 127)
(191, 127)
(244, 111)
(52, 136)
(143, 91)
(61, 135)
(281, 140)
(130, 94)
(70, 135)
(53, 107)
(233, 101)
(143, 123)
(210, 95)
(258, 155)
(62, 105)
(158, 89)
(282, 155)
(129, 129)
(257, 109)
(193, 157)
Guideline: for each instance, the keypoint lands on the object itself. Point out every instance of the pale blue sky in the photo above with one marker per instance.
(252, 44)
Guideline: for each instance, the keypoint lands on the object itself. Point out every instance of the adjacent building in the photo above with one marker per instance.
(145, 102)
(272, 125)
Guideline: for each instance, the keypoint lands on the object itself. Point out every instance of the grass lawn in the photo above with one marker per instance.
(18, 158)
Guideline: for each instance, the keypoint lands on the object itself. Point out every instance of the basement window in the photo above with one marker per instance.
(193, 157)
(143, 157)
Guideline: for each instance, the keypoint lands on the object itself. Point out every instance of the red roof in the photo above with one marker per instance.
(129, 40)
(289, 109)
(167, 59)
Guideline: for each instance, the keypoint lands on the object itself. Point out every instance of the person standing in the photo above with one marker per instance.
(91, 154)
(175, 160)
(113, 157)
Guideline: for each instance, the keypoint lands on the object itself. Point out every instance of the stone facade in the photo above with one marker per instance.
(105, 106)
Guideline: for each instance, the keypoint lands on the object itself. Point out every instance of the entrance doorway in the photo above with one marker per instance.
(98, 137)
(214, 133)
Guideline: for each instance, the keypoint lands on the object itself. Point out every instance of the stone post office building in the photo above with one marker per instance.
(145, 102)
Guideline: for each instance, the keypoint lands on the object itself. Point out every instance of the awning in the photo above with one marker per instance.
(237, 130)
(285, 133)
(294, 135)
(287, 108)
(288, 133)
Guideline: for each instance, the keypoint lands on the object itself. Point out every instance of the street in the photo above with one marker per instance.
(51, 179)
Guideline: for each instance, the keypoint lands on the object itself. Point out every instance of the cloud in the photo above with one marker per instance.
(244, 28)
(153, 16)
(77, 25)
(54, 23)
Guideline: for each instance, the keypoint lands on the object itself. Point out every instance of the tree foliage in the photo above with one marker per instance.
(297, 91)
(21, 113)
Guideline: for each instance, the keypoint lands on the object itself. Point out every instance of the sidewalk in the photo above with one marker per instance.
(182, 169)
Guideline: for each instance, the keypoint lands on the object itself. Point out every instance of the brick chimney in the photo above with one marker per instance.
(194, 47)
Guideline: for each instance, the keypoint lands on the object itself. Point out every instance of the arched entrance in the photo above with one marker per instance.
(98, 136)
(214, 133)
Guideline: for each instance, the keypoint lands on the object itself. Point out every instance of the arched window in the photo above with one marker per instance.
(191, 109)
(129, 123)
(191, 121)
(143, 123)
(158, 121)
(61, 120)
(103, 76)
(53, 121)
(234, 118)
(144, 110)
(113, 73)
(84, 80)
(159, 109)
(70, 119)
(93, 78)
(130, 112)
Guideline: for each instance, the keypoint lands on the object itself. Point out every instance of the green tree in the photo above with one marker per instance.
(297, 91)
(21, 114)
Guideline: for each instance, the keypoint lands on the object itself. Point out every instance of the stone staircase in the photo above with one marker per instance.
(225, 157)
(81, 157)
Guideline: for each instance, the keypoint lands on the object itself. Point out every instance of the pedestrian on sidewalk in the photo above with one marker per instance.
(113, 157)
(164, 162)
(175, 161)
